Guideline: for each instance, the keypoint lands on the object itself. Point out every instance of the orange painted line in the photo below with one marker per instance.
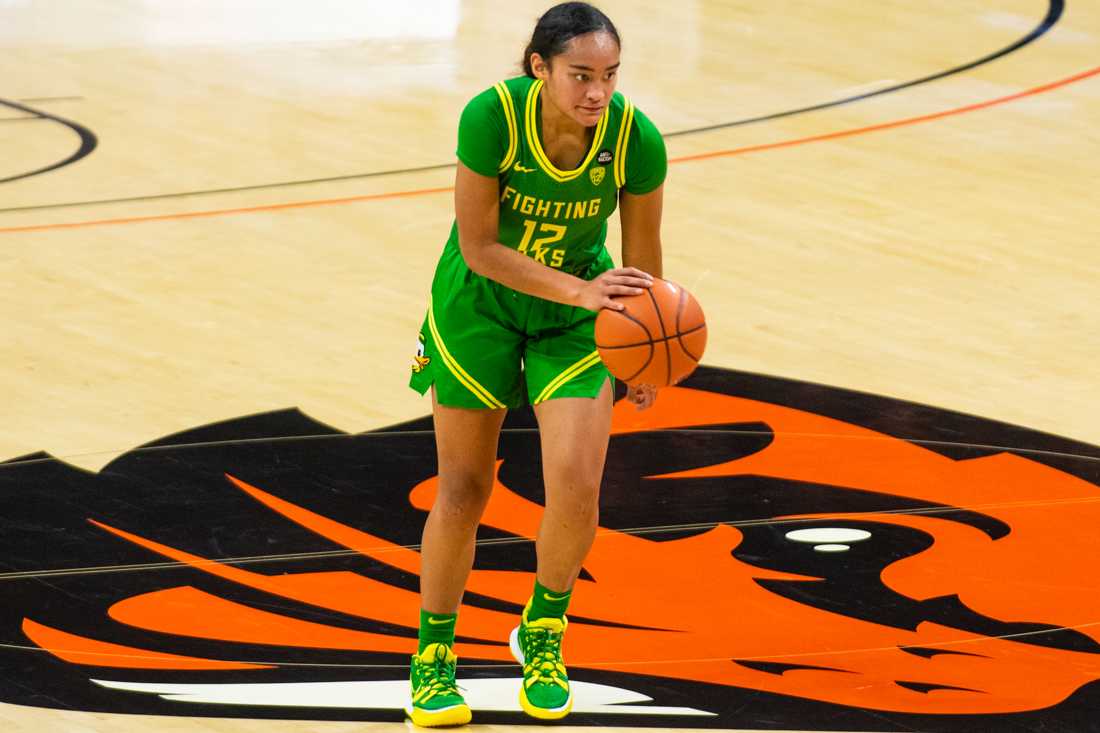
(890, 125)
(91, 652)
(224, 212)
(682, 159)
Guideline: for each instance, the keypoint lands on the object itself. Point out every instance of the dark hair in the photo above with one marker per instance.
(561, 24)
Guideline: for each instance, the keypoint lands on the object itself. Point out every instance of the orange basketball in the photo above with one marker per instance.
(658, 339)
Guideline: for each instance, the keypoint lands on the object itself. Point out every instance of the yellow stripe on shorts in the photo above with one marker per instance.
(456, 369)
(557, 382)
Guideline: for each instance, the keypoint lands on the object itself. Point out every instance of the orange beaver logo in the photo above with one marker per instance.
(744, 544)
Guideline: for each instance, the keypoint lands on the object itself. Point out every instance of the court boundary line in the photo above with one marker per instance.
(1055, 9)
(840, 134)
(88, 140)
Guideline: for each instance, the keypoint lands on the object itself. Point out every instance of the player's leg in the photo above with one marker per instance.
(572, 395)
(466, 444)
(469, 355)
(574, 436)
(472, 364)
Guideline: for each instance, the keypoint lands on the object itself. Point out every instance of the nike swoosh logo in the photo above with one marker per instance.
(521, 169)
(552, 599)
(439, 622)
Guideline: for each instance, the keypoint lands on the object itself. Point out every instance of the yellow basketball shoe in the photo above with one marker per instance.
(545, 692)
(435, 699)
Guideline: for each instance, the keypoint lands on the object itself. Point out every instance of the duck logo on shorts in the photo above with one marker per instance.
(420, 360)
(771, 554)
(597, 175)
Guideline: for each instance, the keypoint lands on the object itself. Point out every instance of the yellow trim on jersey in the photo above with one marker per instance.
(510, 116)
(557, 382)
(533, 142)
(456, 369)
(622, 142)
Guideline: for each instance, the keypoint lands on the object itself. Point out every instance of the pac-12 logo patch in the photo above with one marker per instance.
(771, 554)
(604, 157)
(597, 175)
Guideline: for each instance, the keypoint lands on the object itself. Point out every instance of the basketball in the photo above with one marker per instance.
(658, 339)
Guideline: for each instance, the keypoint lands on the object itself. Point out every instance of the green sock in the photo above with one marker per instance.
(546, 603)
(436, 628)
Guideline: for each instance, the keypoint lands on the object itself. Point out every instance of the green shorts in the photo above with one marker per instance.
(485, 345)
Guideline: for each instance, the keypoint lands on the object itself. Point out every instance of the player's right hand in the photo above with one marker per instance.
(601, 291)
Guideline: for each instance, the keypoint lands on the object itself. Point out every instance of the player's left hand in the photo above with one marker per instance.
(642, 395)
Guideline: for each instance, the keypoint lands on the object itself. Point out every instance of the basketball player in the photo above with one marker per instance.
(543, 160)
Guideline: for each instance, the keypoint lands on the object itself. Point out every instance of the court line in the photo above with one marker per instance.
(585, 664)
(20, 461)
(931, 511)
(1054, 13)
(88, 140)
(1042, 89)
(1055, 9)
(39, 100)
(227, 212)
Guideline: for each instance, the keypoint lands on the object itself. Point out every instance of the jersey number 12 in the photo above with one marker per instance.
(539, 247)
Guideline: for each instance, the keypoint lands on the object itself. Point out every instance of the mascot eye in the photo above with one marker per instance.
(829, 539)
(840, 549)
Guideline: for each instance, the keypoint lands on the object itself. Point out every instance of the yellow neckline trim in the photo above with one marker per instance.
(530, 112)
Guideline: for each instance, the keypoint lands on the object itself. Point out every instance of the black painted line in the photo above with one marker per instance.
(34, 100)
(20, 119)
(21, 461)
(88, 140)
(1055, 9)
(233, 189)
(1054, 14)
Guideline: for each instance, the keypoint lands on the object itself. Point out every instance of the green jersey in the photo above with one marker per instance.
(557, 217)
(485, 345)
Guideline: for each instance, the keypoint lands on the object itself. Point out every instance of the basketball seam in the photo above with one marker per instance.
(655, 341)
(683, 346)
(664, 336)
(680, 334)
(650, 342)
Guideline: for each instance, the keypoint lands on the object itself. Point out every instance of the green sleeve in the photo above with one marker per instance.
(483, 134)
(646, 160)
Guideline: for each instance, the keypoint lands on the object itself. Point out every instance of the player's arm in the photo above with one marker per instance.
(477, 210)
(640, 216)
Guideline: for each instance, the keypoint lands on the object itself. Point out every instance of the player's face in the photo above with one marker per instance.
(581, 79)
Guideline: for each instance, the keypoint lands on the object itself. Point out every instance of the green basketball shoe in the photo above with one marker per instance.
(436, 700)
(536, 645)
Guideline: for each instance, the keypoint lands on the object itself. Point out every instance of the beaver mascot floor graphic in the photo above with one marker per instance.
(772, 554)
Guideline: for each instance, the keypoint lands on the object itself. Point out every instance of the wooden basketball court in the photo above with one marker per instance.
(211, 210)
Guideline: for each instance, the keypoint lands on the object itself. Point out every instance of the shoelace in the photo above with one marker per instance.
(544, 658)
(437, 677)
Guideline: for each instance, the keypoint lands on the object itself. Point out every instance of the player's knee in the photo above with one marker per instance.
(580, 501)
(463, 498)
